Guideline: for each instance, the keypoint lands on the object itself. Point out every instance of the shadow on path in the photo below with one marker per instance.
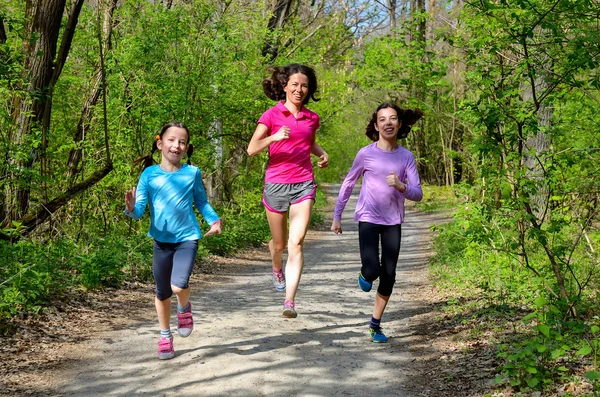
(242, 346)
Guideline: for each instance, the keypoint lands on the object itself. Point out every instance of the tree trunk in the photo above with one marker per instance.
(42, 27)
(392, 6)
(2, 32)
(281, 11)
(83, 125)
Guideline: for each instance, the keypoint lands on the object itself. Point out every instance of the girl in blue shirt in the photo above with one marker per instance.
(171, 188)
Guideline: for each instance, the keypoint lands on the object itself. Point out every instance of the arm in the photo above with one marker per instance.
(413, 188)
(206, 210)
(137, 198)
(318, 151)
(260, 141)
(346, 190)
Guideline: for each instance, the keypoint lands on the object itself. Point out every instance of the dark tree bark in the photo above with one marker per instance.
(83, 125)
(42, 27)
(281, 11)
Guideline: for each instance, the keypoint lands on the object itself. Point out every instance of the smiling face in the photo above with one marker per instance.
(173, 145)
(296, 89)
(388, 124)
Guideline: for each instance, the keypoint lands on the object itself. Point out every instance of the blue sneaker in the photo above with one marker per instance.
(364, 284)
(377, 335)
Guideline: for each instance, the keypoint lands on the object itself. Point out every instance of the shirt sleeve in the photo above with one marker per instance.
(413, 191)
(317, 125)
(265, 119)
(141, 197)
(201, 201)
(354, 174)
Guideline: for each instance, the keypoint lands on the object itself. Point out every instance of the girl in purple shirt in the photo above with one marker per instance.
(288, 131)
(389, 176)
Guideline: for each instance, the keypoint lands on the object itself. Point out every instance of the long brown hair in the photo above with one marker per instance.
(408, 117)
(273, 86)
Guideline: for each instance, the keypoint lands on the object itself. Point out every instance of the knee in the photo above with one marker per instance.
(370, 273)
(295, 247)
(177, 289)
(163, 295)
(386, 286)
(277, 246)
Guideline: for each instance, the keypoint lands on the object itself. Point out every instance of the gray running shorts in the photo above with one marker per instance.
(277, 197)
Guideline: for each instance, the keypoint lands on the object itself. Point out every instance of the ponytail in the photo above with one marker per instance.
(189, 153)
(148, 159)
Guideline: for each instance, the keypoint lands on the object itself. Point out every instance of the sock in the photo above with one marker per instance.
(183, 309)
(277, 270)
(166, 333)
(375, 323)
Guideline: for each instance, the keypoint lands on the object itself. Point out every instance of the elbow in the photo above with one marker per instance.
(250, 152)
(418, 196)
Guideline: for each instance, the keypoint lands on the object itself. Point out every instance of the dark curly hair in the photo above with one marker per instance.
(273, 86)
(407, 116)
(148, 160)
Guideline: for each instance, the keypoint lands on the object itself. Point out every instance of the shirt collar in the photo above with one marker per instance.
(303, 112)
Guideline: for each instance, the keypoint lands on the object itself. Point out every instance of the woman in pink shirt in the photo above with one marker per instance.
(288, 131)
(389, 176)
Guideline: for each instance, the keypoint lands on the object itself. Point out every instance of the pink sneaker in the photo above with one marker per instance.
(185, 322)
(289, 309)
(165, 349)
(279, 280)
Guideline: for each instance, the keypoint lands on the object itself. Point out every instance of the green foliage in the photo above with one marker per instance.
(437, 198)
(31, 275)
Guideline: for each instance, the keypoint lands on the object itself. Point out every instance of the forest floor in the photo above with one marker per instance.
(105, 343)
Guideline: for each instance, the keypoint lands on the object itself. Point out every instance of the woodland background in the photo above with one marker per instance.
(510, 143)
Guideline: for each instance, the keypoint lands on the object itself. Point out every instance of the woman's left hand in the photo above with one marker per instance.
(324, 160)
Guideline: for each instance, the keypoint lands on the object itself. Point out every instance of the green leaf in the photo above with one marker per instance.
(584, 351)
(532, 370)
(544, 329)
(594, 329)
(540, 301)
(529, 317)
(556, 353)
(592, 375)
(533, 382)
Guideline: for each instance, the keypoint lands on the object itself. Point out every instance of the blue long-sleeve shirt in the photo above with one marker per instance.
(377, 202)
(171, 195)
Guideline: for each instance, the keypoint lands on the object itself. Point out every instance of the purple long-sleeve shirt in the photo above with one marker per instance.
(377, 202)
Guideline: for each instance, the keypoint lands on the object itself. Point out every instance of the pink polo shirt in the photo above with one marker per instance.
(289, 159)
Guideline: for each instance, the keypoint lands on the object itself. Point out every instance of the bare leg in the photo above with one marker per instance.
(163, 310)
(380, 304)
(278, 225)
(183, 295)
(299, 219)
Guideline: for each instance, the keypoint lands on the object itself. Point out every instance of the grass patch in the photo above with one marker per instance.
(437, 198)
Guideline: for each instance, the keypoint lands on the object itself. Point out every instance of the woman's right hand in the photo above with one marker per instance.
(283, 133)
(130, 200)
(336, 227)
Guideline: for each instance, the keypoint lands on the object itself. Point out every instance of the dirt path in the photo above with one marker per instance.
(242, 346)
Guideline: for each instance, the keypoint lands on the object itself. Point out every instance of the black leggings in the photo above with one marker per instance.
(368, 238)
